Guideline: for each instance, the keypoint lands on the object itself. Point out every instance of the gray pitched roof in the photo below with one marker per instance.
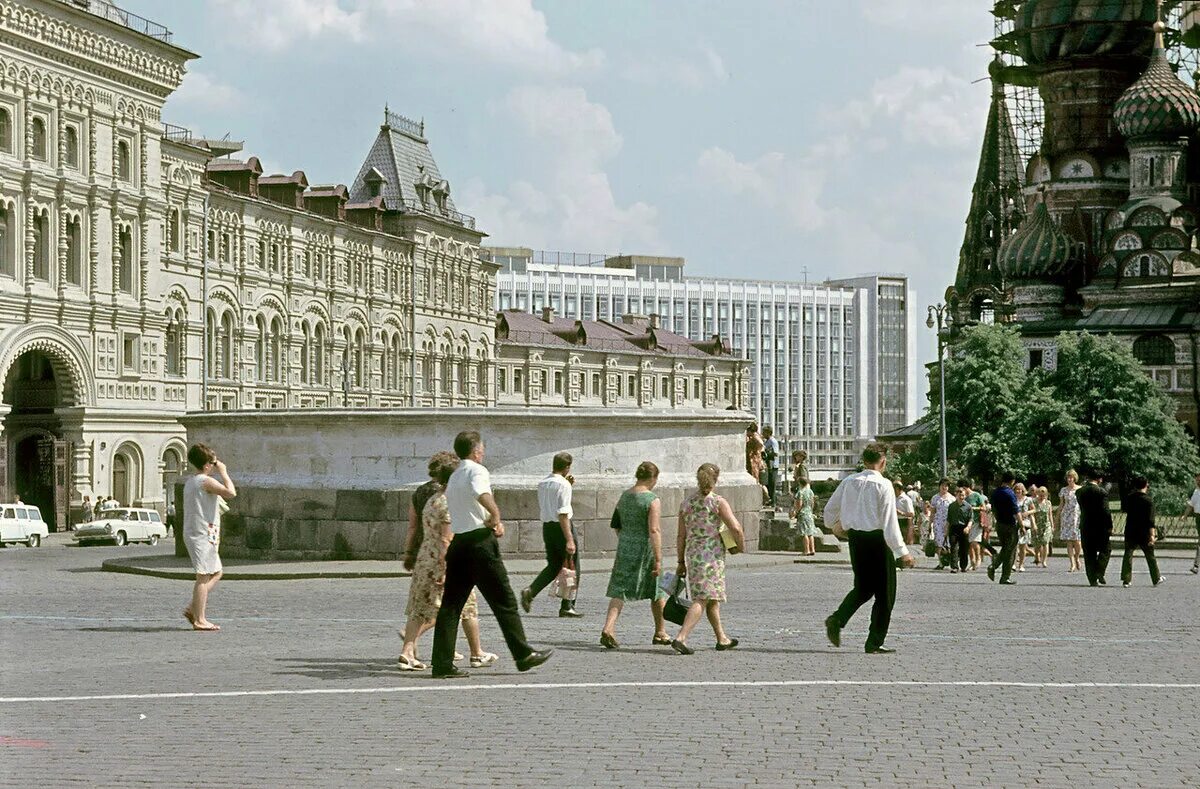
(401, 155)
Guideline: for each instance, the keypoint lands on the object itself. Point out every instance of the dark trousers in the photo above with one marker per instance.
(473, 561)
(1096, 552)
(1007, 534)
(874, 577)
(959, 545)
(556, 556)
(1127, 561)
(772, 475)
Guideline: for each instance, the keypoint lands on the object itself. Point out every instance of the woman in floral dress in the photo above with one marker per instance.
(802, 511)
(638, 562)
(1025, 508)
(702, 557)
(1043, 526)
(1068, 522)
(425, 556)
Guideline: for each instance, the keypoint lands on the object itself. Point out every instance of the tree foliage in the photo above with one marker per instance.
(1097, 409)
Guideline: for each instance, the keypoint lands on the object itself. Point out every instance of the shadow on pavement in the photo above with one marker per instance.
(133, 629)
(339, 668)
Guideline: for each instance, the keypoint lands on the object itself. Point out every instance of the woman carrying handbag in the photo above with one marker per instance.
(702, 556)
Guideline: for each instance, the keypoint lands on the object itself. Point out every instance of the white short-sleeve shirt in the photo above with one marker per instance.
(1195, 501)
(468, 482)
(554, 498)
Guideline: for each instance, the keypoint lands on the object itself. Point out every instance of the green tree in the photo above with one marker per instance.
(1129, 421)
(1046, 436)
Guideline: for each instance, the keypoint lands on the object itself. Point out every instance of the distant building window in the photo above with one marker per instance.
(518, 381)
(39, 139)
(595, 384)
(125, 261)
(695, 388)
(74, 252)
(7, 266)
(71, 143)
(558, 382)
(1154, 350)
(5, 131)
(129, 353)
(124, 165)
(173, 230)
(1036, 358)
(41, 246)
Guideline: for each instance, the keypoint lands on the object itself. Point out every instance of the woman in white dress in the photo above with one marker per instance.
(202, 496)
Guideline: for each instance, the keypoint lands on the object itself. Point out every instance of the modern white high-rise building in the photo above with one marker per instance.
(832, 363)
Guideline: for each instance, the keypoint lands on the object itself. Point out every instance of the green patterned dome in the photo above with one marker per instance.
(1048, 31)
(1038, 250)
(1159, 104)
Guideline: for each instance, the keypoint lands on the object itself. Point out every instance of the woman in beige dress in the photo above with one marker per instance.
(202, 496)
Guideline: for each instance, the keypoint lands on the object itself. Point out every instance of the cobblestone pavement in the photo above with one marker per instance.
(1100, 687)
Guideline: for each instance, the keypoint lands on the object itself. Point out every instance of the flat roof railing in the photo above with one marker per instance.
(106, 10)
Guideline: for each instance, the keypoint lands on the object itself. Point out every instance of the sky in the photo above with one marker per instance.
(767, 139)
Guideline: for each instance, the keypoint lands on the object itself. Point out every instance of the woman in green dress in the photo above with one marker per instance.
(639, 556)
(1043, 526)
(802, 511)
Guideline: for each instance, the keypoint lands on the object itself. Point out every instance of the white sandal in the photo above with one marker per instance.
(410, 664)
(486, 659)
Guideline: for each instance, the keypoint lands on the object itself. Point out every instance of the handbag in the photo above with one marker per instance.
(930, 548)
(565, 585)
(676, 609)
(729, 539)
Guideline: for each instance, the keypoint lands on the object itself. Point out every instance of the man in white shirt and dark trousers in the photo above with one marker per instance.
(554, 502)
(1193, 506)
(865, 505)
(771, 458)
(473, 560)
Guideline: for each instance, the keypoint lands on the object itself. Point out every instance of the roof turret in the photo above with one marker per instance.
(1038, 250)
(1159, 105)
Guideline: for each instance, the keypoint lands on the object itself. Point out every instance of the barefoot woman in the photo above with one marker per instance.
(202, 527)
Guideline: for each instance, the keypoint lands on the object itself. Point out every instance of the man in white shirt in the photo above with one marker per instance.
(906, 514)
(1194, 507)
(554, 503)
(771, 458)
(865, 505)
(473, 560)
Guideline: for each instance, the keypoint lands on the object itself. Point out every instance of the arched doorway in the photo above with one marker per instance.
(37, 460)
(127, 475)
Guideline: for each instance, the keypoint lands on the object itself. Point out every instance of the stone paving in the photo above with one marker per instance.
(1101, 686)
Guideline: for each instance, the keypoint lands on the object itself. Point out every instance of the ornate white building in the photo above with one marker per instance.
(373, 295)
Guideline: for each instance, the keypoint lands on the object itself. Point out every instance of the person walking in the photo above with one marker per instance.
(1025, 508)
(202, 528)
(473, 559)
(1004, 515)
(906, 513)
(85, 510)
(558, 535)
(958, 531)
(806, 523)
(638, 562)
(1068, 523)
(1095, 528)
(1043, 526)
(1193, 507)
(937, 510)
(771, 461)
(976, 539)
(865, 506)
(1140, 531)
(425, 555)
(702, 557)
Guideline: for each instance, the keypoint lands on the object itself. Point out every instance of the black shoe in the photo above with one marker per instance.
(991, 572)
(569, 613)
(526, 601)
(1093, 583)
(833, 632)
(661, 642)
(534, 659)
(733, 642)
(1008, 582)
(1102, 581)
(881, 650)
(451, 673)
(682, 648)
(607, 641)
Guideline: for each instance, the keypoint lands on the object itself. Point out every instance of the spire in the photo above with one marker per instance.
(996, 196)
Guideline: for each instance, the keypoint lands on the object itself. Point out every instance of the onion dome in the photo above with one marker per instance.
(1159, 104)
(1052, 31)
(1038, 250)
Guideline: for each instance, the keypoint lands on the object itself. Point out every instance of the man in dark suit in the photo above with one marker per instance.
(1095, 527)
(1004, 511)
(1140, 531)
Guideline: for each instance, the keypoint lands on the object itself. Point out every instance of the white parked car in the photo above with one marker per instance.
(123, 525)
(22, 523)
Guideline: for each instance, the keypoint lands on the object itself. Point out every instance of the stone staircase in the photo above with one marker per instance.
(778, 533)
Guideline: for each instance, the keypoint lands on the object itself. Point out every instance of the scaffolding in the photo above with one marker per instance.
(1020, 85)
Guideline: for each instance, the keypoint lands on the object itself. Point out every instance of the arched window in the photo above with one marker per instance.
(319, 354)
(429, 368)
(5, 131)
(41, 246)
(124, 169)
(172, 343)
(173, 230)
(227, 345)
(125, 260)
(260, 348)
(127, 475)
(481, 374)
(39, 139)
(210, 350)
(1154, 350)
(74, 252)
(278, 363)
(360, 358)
(71, 143)
(7, 266)
(305, 353)
(172, 470)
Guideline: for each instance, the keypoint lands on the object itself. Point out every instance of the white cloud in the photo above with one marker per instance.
(277, 24)
(508, 32)
(793, 188)
(694, 71)
(572, 204)
(200, 92)
(925, 15)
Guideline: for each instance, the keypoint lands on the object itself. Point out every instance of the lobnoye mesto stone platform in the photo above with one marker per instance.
(335, 484)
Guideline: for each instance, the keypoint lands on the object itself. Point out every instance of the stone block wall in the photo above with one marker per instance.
(337, 485)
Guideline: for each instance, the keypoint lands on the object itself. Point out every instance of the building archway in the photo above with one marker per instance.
(127, 475)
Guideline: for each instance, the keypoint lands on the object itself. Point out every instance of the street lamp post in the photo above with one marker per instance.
(939, 316)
